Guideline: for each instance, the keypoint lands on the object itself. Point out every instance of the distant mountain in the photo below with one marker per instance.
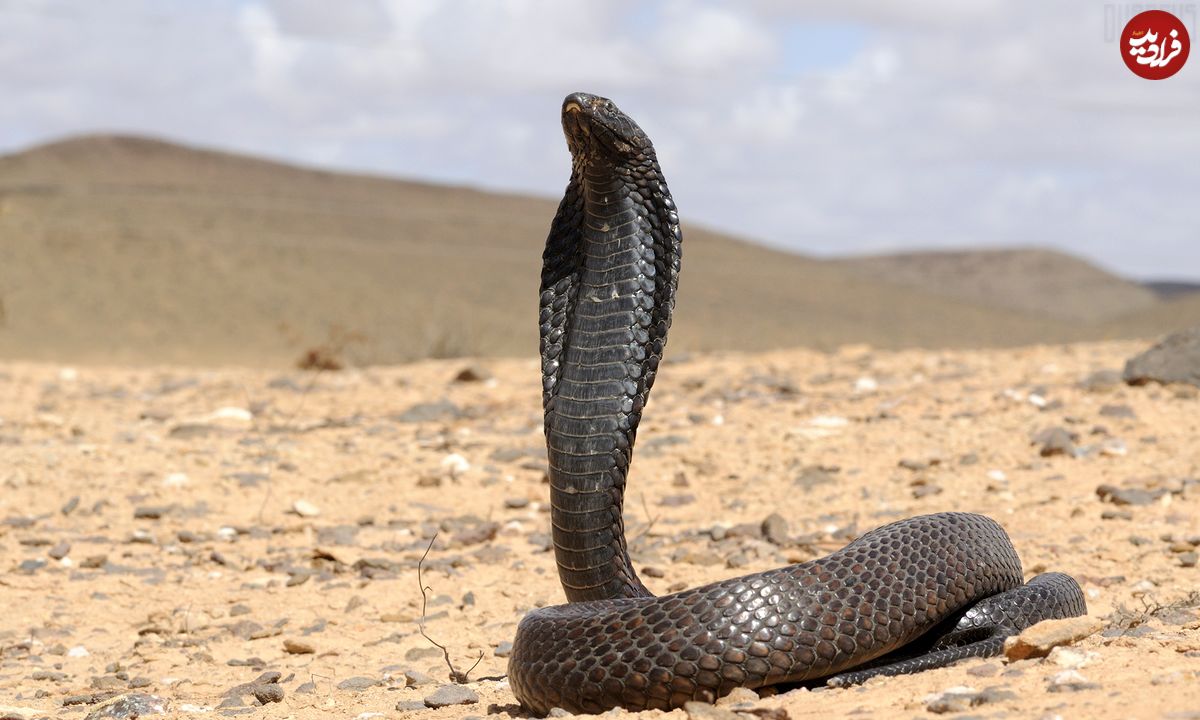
(125, 249)
(1034, 281)
(1170, 289)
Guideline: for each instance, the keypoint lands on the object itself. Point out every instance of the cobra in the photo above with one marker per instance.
(915, 594)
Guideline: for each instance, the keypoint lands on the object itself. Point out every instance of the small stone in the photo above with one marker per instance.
(1038, 640)
(1067, 657)
(483, 532)
(1070, 681)
(926, 490)
(1054, 441)
(357, 683)
(141, 537)
(429, 412)
(703, 711)
(987, 669)
(738, 696)
(448, 695)
(1127, 495)
(1116, 515)
(455, 465)
(416, 678)
(1188, 559)
(1101, 381)
(305, 509)
(422, 653)
(951, 700)
(654, 572)
(775, 529)
(1118, 411)
(176, 480)
(297, 647)
(51, 675)
(31, 566)
(150, 512)
(516, 503)
(504, 649)
(409, 705)
(128, 707)
(812, 476)
(269, 693)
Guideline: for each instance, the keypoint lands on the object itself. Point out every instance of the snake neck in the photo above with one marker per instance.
(609, 273)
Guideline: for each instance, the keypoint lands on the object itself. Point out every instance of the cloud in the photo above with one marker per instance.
(848, 128)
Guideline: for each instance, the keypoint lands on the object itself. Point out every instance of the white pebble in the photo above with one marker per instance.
(1071, 658)
(232, 413)
(997, 475)
(1068, 677)
(68, 374)
(176, 480)
(305, 509)
(455, 464)
(78, 651)
(866, 385)
(829, 421)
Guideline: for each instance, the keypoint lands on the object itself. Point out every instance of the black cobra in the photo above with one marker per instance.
(915, 594)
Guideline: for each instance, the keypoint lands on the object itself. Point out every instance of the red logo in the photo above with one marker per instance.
(1155, 44)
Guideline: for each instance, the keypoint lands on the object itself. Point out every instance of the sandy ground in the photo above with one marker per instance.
(182, 532)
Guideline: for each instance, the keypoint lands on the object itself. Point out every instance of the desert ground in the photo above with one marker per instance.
(246, 542)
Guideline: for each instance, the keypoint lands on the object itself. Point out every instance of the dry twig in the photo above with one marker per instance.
(455, 675)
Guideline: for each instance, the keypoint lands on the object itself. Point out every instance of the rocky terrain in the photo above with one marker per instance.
(213, 543)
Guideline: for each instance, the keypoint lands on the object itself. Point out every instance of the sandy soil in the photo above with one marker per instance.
(182, 532)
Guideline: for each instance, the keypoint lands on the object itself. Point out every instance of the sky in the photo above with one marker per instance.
(855, 128)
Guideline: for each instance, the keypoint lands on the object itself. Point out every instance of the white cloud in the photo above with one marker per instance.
(930, 122)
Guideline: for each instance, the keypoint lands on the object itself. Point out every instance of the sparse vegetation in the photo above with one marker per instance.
(328, 355)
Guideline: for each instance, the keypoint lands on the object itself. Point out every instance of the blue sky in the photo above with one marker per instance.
(859, 127)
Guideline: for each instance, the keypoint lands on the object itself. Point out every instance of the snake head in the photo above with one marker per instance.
(596, 128)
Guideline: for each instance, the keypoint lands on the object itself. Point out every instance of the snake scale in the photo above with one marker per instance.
(914, 594)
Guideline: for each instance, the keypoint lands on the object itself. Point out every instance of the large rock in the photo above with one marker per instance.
(1040, 639)
(1176, 359)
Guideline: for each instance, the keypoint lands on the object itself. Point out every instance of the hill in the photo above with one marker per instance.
(1035, 281)
(124, 249)
(1159, 319)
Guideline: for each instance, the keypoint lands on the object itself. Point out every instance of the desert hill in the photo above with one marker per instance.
(125, 249)
(1031, 280)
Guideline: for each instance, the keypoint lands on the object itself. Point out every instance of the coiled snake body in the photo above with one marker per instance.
(911, 595)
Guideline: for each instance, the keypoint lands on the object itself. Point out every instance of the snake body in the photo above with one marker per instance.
(914, 594)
